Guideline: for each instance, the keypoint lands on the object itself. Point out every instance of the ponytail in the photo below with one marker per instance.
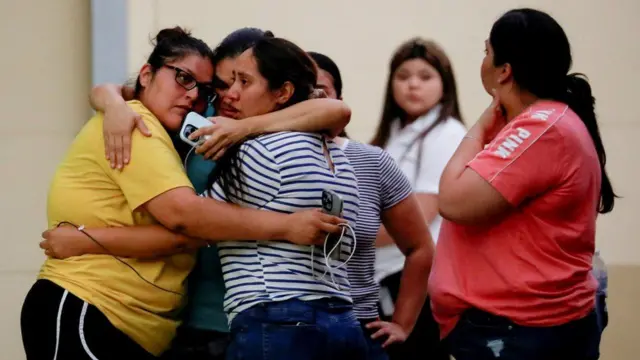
(580, 99)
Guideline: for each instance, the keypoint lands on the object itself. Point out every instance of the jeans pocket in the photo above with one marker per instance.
(283, 341)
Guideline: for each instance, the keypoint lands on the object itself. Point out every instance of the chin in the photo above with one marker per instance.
(173, 122)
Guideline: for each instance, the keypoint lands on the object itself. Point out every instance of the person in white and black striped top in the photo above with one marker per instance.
(385, 198)
(382, 185)
(285, 172)
(277, 299)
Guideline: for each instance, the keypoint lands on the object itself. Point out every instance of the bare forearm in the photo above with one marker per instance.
(406, 225)
(136, 242)
(106, 95)
(452, 194)
(469, 147)
(413, 288)
(218, 221)
(308, 116)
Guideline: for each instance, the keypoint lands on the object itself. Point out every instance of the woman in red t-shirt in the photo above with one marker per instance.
(520, 196)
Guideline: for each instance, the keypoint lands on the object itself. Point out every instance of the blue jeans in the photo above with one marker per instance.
(482, 336)
(601, 311)
(297, 330)
(375, 351)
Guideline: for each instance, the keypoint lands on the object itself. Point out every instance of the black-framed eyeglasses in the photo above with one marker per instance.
(188, 82)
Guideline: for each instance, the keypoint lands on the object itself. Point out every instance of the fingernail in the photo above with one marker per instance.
(126, 161)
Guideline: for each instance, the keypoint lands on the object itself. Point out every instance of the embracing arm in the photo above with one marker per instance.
(142, 242)
(313, 115)
(104, 96)
(308, 116)
(119, 121)
(182, 211)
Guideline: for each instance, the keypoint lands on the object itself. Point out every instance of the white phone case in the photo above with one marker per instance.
(191, 123)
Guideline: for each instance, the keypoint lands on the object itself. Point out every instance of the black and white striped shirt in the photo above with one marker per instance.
(285, 172)
(382, 185)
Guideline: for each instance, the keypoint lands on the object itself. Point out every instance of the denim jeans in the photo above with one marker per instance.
(375, 351)
(601, 311)
(294, 329)
(480, 336)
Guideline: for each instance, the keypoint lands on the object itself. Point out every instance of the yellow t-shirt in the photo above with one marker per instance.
(86, 191)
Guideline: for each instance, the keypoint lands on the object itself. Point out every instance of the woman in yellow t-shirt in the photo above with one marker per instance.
(103, 307)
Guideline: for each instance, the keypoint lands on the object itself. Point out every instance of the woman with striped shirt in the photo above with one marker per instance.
(284, 301)
(385, 197)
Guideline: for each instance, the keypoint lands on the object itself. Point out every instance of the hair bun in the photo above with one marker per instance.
(171, 34)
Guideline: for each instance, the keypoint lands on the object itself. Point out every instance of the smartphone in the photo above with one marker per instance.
(332, 204)
(193, 122)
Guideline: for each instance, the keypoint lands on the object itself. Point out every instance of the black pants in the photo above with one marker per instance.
(424, 341)
(58, 325)
(482, 336)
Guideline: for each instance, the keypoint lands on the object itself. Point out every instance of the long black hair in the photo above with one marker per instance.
(538, 50)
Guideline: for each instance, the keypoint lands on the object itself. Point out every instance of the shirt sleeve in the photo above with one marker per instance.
(394, 185)
(436, 155)
(255, 177)
(525, 159)
(154, 169)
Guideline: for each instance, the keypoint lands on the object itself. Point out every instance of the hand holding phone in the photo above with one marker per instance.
(193, 122)
(333, 204)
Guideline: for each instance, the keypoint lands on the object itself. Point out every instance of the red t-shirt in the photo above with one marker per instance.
(533, 266)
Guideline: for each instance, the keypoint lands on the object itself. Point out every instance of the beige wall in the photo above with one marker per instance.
(45, 74)
(44, 79)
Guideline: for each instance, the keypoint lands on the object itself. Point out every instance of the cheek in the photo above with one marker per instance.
(398, 89)
(433, 92)
(485, 68)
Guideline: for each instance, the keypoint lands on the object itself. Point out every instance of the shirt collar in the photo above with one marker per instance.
(417, 126)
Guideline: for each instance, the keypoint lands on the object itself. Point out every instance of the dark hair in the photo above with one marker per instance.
(433, 54)
(325, 63)
(238, 42)
(279, 61)
(170, 45)
(516, 39)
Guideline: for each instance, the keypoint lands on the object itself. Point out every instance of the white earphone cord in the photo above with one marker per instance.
(327, 256)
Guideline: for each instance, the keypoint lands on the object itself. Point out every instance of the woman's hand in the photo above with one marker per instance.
(490, 122)
(220, 136)
(310, 227)
(394, 332)
(119, 123)
(64, 242)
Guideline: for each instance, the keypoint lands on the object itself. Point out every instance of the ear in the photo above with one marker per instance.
(284, 93)
(505, 74)
(146, 75)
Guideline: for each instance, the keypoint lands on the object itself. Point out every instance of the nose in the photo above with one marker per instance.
(413, 82)
(192, 94)
(231, 94)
